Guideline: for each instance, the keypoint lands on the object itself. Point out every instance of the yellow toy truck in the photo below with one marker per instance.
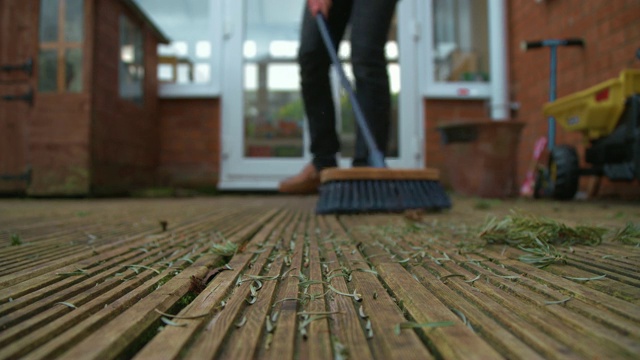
(608, 116)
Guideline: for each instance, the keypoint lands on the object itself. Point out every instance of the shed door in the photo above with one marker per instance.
(18, 20)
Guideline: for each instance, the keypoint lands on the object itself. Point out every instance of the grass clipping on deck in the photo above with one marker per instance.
(629, 235)
(539, 236)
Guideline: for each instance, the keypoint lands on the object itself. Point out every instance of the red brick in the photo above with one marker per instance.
(189, 142)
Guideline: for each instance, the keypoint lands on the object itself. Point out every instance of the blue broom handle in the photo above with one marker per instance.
(376, 159)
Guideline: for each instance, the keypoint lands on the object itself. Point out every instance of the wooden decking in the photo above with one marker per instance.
(102, 279)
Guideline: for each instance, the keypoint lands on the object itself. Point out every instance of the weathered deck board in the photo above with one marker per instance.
(119, 335)
(320, 347)
(302, 286)
(172, 340)
(387, 313)
(558, 326)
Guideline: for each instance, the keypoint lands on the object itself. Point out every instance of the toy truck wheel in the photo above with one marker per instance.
(564, 172)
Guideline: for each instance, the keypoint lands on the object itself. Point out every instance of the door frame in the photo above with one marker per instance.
(238, 172)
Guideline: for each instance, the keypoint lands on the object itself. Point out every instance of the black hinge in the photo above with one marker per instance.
(26, 66)
(27, 97)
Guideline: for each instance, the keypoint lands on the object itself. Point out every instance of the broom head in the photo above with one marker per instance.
(368, 189)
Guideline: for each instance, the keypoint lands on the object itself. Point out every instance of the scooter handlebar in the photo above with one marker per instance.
(528, 45)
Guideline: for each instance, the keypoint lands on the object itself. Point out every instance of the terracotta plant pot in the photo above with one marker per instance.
(481, 157)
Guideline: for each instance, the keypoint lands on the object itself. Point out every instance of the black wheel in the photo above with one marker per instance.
(564, 172)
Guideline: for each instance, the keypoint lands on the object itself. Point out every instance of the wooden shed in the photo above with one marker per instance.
(78, 88)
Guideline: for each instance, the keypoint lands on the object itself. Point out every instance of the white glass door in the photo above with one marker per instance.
(264, 136)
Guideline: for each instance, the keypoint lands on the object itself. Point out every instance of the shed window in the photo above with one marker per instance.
(61, 36)
(131, 73)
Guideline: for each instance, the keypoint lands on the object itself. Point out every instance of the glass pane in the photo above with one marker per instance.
(188, 25)
(74, 20)
(73, 70)
(273, 112)
(203, 49)
(185, 73)
(49, 20)
(131, 72)
(166, 73)
(202, 73)
(461, 46)
(48, 71)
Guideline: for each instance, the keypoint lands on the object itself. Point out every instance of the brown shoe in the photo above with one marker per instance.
(306, 182)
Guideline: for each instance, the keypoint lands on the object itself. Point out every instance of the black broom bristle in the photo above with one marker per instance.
(369, 196)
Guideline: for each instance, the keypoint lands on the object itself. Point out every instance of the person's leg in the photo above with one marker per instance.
(370, 21)
(315, 84)
(318, 101)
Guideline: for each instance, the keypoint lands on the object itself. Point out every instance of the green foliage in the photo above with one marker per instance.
(186, 299)
(16, 240)
(293, 111)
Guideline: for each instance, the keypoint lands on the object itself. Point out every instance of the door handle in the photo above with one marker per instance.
(26, 66)
(27, 97)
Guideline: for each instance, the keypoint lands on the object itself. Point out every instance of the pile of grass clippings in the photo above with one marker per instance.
(528, 230)
(538, 236)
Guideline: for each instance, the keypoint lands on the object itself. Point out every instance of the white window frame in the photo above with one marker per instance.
(213, 89)
(433, 89)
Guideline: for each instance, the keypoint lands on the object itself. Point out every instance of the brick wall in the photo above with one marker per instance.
(611, 31)
(124, 134)
(189, 142)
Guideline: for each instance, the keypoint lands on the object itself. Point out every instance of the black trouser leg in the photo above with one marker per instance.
(370, 21)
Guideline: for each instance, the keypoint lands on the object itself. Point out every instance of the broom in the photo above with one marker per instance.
(375, 188)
